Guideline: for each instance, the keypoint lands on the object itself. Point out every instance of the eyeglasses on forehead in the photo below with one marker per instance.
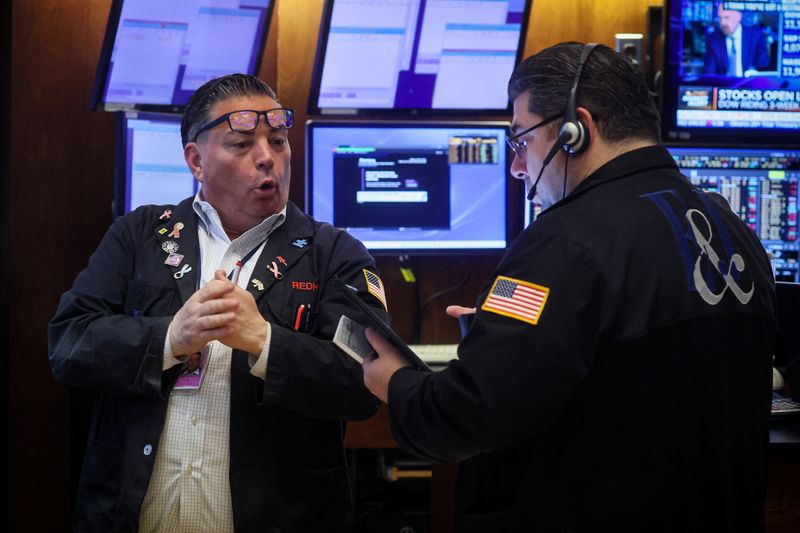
(247, 120)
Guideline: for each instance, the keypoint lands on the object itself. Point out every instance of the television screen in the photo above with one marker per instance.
(410, 186)
(732, 72)
(415, 55)
(157, 53)
(150, 164)
(761, 186)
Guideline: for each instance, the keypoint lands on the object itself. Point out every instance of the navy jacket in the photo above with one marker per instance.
(287, 460)
(639, 399)
(755, 54)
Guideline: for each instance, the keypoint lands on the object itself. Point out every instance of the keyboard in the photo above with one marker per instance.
(782, 406)
(436, 354)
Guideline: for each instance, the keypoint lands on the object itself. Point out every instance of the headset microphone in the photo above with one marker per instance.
(562, 138)
(573, 136)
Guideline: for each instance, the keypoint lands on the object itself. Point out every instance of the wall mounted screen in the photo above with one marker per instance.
(732, 72)
(410, 187)
(761, 186)
(150, 164)
(444, 55)
(156, 53)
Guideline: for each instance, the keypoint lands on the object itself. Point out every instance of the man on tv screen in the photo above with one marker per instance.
(732, 48)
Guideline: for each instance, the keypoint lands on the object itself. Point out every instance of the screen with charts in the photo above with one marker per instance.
(417, 54)
(150, 164)
(157, 53)
(761, 186)
(732, 72)
(408, 186)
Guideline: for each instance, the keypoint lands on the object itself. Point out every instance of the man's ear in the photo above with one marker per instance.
(588, 122)
(194, 159)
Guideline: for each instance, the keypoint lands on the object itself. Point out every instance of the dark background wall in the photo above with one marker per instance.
(56, 164)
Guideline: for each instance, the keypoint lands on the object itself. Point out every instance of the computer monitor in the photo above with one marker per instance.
(156, 53)
(411, 187)
(787, 345)
(761, 186)
(150, 164)
(732, 73)
(417, 55)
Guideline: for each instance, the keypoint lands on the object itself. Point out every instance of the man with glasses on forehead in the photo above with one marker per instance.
(236, 277)
(617, 372)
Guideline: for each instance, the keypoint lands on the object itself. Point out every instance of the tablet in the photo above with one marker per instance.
(373, 320)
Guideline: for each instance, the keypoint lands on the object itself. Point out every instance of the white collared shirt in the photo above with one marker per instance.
(736, 39)
(189, 488)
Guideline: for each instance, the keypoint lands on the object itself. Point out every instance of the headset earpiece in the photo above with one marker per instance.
(577, 136)
(573, 135)
(575, 131)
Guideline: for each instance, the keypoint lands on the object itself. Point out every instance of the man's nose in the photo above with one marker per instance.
(519, 168)
(262, 152)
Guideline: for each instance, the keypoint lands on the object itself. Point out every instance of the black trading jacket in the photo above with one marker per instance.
(619, 371)
(287, 459)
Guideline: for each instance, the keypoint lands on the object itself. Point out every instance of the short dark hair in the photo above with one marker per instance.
(611, 88)
(199, 106)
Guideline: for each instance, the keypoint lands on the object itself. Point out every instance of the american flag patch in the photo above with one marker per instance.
(516, 299)
(375, 287)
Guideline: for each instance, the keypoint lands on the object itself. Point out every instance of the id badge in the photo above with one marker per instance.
(193, 371)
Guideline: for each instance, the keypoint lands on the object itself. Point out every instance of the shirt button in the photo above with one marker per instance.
(194, 420)
(189, 470)
(148, 449)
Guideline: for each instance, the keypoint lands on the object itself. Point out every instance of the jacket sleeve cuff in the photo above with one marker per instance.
(169, 359)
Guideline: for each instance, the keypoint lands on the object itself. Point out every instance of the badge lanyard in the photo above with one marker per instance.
(233, 275)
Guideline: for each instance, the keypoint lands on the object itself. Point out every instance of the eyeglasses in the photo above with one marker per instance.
(519, 147)
(247, 120)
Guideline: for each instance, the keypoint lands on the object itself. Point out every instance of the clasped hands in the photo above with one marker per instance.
(221, 311)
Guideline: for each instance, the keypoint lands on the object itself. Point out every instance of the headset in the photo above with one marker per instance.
(573, 136)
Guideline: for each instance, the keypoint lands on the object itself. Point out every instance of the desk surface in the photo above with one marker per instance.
(374, 433)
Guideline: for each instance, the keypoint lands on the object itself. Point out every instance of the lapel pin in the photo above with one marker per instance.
(170, 246)
(274, 269)
(300, 243)
(282, 260)
(162, 231)
(185, 269)
(257, 284)
(174, 260)
(166, 215)
(176, 230)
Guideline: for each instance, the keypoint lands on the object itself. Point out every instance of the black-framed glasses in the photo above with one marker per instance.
(519, 147)
(247, 120)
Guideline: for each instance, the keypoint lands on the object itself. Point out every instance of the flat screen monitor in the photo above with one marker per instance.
(732, 72)
(411, 187)
(787, 345)
(156, 53)
(421, 55)
(761, 186)
(150, 164)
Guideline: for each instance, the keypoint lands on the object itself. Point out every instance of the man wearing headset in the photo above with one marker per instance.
(616, 376)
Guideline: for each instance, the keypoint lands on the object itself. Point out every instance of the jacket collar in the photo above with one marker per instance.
(286, 245)
(634, 162)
